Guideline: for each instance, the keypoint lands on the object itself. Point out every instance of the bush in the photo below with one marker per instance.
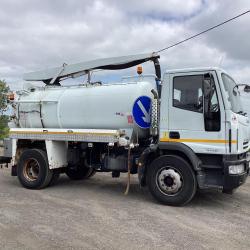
(4, 89)
(4, 130)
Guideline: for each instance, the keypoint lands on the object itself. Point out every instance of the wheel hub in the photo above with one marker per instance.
(31, 170)
(169, 181)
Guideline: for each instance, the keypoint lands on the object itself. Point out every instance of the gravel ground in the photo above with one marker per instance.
(94, 214)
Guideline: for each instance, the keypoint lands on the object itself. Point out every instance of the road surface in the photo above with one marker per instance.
(94, 214)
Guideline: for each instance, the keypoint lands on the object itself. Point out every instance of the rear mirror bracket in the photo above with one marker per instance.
(207, 90)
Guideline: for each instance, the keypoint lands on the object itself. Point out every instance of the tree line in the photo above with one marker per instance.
(4, 119)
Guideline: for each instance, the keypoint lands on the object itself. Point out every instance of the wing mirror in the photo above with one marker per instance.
(247, 89)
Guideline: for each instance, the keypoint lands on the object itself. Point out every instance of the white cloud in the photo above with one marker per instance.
(172, 8)
(38, 34)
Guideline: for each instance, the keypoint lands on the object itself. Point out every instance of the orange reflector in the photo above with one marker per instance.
(139, 70)
(11, 97)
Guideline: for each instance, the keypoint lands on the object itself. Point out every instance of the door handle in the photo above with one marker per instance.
(174, 135)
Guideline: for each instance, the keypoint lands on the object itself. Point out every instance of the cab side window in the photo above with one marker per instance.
(187, 93)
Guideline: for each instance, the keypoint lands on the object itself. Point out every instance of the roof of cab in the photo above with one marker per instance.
(196, 69)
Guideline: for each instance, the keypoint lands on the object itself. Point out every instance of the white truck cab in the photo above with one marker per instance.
(216, 125)
(180, 132)
(201, 111)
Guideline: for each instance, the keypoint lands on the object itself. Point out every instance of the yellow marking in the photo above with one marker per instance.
(61, 133)
(165, 134)
(197, 140)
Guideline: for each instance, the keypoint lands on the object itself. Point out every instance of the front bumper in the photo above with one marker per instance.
(217, 176)
(232, 181)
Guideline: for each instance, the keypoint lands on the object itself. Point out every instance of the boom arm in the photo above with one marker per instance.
(53, 75)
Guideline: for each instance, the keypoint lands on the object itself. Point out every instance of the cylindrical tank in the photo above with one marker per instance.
(107, 106)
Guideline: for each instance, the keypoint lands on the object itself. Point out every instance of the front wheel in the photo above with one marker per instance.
(171, 180)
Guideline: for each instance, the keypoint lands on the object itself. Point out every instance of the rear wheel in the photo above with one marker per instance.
(171, 180)
(33, 169)
(79, 172)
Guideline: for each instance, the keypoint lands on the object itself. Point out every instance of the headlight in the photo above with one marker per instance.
(236, 169)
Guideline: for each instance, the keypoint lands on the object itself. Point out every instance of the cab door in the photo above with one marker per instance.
(187, 121)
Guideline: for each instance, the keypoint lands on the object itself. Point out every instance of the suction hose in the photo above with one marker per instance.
(129, 169)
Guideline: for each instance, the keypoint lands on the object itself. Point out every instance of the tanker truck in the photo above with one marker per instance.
(179, 133)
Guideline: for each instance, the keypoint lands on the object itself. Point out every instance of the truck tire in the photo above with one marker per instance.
(171, 180)
(33, 169)
(79, 172)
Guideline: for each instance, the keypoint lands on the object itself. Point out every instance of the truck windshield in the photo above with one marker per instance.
(233, 93)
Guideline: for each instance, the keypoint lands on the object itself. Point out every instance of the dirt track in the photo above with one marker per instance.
(94, 214)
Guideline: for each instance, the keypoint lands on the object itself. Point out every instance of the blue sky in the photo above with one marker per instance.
(41, 34)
